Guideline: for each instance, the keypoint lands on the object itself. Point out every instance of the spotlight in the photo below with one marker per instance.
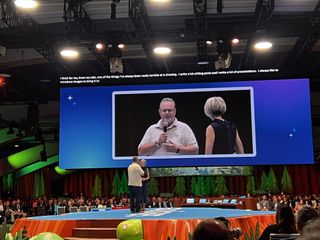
(162, 50)
(69, 53)
(263, 45)
(235, 41)
(26, 4)
(120, 45)
(209, 42)
(100, 46)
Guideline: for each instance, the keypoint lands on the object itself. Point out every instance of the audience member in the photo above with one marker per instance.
(285, 223)
(211, 230)
(305, 215)
(311, 230)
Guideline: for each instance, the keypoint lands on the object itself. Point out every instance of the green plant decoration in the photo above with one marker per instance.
(273, 185)
(124, 183)
(116, 183)
(194, 187)
(221, 187)
(201, 186)
(96, 191)
(180, 187)
(286, 182)
(153, 186)
(253, 236)
(251, 185)
(263, 188)
(209, 185)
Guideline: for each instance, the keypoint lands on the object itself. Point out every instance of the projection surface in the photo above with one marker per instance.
(103, 126)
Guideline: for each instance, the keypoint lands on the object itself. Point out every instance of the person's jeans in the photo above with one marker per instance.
(135, 194)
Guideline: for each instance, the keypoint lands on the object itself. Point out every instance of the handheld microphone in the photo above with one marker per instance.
(165, 126)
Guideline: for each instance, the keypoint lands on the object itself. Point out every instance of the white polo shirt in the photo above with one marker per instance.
(178, 132)
(134, 175)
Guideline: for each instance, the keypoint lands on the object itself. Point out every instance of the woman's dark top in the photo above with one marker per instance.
(145, 175)
(277, 228)
(225, 136)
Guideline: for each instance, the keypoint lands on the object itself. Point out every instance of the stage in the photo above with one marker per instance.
(159, 223)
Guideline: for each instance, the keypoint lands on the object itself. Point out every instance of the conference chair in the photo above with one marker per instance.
(281, 236)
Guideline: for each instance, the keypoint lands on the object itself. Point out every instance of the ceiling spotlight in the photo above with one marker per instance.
(120, 45)
(162, 50)
(27, 4)
(99, 46)
(209, 42)
(235, 41)
(69, 53)
(263, 45)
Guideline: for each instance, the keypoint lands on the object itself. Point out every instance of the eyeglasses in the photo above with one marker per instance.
(166, 110)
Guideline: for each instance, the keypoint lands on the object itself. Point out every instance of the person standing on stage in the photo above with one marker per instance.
(144, 188)
(222, 136)
(135, 174)
(168, 136)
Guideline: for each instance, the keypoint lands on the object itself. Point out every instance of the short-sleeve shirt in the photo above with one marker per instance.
(178, 132)
(135, 173)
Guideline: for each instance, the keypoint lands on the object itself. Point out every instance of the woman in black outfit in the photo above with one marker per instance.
(144, 188)
(221, 135)
(285, 223)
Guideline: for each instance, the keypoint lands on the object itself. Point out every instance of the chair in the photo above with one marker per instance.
(281, 236)
(83, 209)
(73, 209)
(61, 210)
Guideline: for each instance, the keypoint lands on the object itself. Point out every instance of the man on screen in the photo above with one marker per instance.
(169, 136)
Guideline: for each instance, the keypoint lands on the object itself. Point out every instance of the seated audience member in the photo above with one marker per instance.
(169, 203)
(305, 215)
(42, 208)
(211, 230)
(153, 202)
(2, 212)
(160, 203)
(50, 207)
(9, 213)
(68, 207)
(274, 204)
(264, 204)
(18, 209)
(285, 223)
(311, 230)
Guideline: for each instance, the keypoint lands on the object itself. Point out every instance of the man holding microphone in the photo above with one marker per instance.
(135, 174)
(169, 136)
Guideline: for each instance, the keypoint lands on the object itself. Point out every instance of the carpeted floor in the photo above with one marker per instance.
(159, 213)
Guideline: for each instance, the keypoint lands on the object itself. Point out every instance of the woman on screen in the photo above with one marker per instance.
(221, 135)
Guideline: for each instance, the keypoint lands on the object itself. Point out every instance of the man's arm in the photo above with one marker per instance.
(150, 147)
(189, 149)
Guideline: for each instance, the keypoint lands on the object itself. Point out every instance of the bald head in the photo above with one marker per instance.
(211, 230)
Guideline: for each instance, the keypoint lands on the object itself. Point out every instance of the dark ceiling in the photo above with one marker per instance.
(32, 39)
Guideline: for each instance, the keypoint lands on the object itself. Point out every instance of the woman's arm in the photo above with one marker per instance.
(210, 137)
(238, 147)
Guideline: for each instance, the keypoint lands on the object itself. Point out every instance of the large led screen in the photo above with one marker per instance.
(191, 124)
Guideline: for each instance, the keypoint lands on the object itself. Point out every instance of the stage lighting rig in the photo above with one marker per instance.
(114, 8)
(219, 6)
(224, 54)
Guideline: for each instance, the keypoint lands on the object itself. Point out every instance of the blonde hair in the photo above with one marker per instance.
(215, 106)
